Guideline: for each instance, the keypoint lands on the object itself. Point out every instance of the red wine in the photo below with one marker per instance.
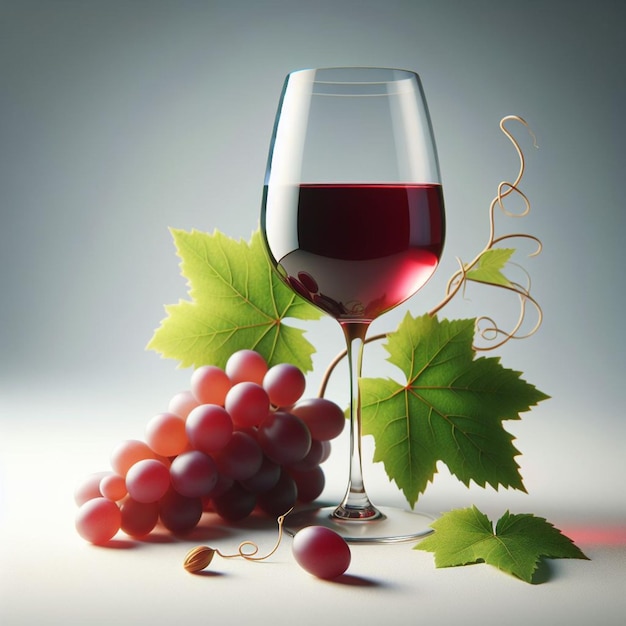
(359, 250)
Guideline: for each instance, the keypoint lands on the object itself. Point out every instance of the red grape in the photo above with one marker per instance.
(139, 518)
(310, 483)
(147, 480)
(178, 513)
(193, 474)
(165, 434)
(113, 487)
(247, 403)
(321, 552)
(246, 366)
(285, 384)
(323, 417)
(209, 428)
(98, 520)
(284, 438)
(210, 384)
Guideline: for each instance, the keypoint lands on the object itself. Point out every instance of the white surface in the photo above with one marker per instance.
(50, 575)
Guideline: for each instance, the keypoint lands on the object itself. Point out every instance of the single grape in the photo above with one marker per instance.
(178, 513)
(246, 366)
(285, 384)
(241, 458)
(235, 504)
(280, 498)
(166, 435)
(309, 483)
(139, 518)
(210, 384)
(323, 417)
(182, 404)
(113, 487)
(148, 480)
(284, 438)
(321, 552)
(247, 403)
(98, 520)
(209, 428)
(89, 487)
(129, 452)
(193, 474)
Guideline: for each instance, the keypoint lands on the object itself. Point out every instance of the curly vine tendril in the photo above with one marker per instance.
(486, 327)
(250, 554)
(492, 332)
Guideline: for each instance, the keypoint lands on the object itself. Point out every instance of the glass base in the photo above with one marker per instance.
(394, 525)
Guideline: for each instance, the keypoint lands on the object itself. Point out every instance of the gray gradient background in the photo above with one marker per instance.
(121, 119)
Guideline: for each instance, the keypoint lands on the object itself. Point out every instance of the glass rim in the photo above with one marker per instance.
(391, 74)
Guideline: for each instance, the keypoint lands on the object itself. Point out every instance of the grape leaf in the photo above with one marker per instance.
(489, 266)
(450, 408)
(237, 301)
(466, 536)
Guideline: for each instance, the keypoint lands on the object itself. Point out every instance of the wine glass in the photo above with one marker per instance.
(353, 221)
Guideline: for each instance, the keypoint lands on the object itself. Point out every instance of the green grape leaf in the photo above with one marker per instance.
(237, 302)
(519, 542)
(490, 264)
(450, 408)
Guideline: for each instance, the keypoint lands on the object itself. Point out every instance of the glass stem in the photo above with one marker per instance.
(356, 504)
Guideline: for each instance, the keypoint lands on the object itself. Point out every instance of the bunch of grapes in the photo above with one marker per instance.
(240, 440)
